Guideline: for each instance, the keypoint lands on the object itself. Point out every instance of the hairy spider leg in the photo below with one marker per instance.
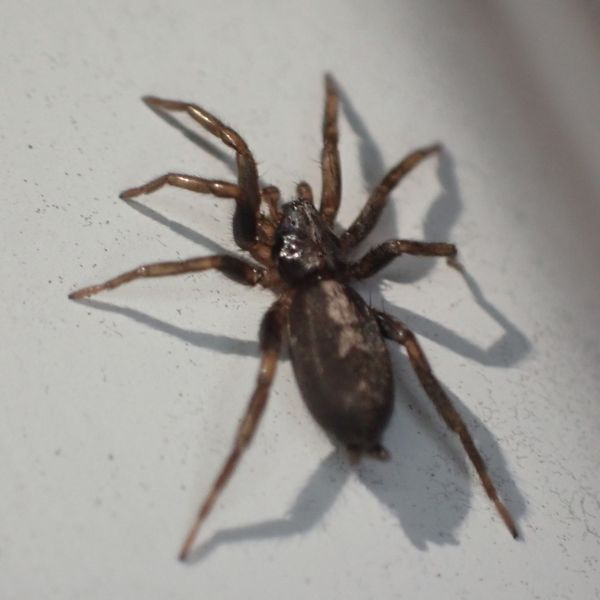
(330, 157)
(235, 268)
(222, 189)
(304, 192)
(400, 333)
(270, 344)
(248, 198)
(271, 196)
(381, 255)
(369, 215)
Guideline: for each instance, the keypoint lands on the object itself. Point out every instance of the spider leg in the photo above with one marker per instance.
(371, 212)
(381, 255)
(399, 332)
(304, 192)
(222, 189)
(330, 157)
(271, 196)
(270, 344)
(236, 268)
(248, 201)
(266, 225)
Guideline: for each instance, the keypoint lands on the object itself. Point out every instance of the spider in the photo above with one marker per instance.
(335, 340)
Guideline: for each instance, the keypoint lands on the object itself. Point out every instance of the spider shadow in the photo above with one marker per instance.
(205, 145)
(407, 486)
(218, 343)
(427, 492)
(441, 215)
(427, 495)
(506, 351)
(509, 349)
(314, 501)
(415, 449)
(439, 220)
(428, 485)
(182, 230)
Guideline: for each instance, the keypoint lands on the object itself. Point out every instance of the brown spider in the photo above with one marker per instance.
(336, 340)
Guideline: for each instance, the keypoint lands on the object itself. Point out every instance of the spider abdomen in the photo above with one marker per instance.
(341, 363)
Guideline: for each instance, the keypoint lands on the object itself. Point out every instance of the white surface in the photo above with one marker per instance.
(116, 416)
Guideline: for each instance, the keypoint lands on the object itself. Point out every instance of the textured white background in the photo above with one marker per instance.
(116, 415)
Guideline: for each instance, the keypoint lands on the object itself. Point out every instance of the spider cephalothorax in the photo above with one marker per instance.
(304, 244)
